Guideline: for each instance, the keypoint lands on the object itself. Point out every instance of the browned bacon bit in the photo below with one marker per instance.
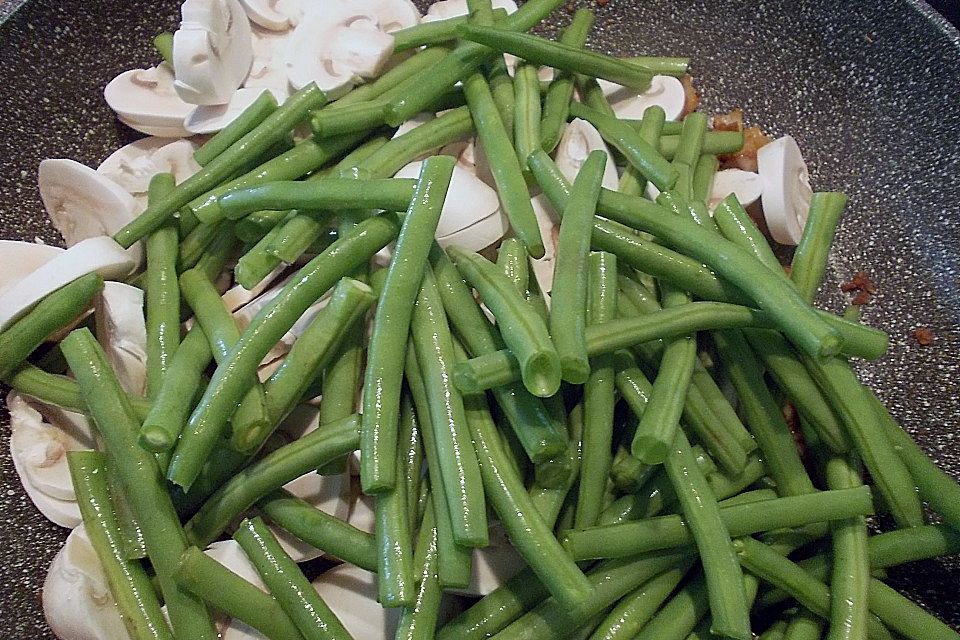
(862, 285)
(692, 99)
(602, 3)
(732, 121)
(924, 336)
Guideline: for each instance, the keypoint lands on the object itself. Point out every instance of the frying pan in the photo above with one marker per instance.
(868, 89)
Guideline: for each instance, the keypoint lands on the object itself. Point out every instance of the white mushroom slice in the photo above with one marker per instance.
(212, 51)
(578, 140)
(479, 235)
(101, 255)
(267, 71)
(237, 296)
(549, 223)
(39, 452)
(468, 200)
(122, 331)
(786, 189)
(231, 555)
(651, 192)
(275, 15)
(664, 91)
(493, 565)
(77, 602)
(84, 204)
(413, 123)
(213, 118)
(145, 100)
(20, 258)
(351, 593)
(362, 513)
(746, 185)
(454, 8)
(132, 166)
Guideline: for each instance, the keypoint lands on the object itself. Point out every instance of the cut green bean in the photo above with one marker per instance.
(736, 226)
(391, 324)
(636, 608)
(436, 32)
(548, 500)
(412, 67)
(277, 125)
(851, 561)
(527, 111)
(129, 583)
(662, 65)
(513, 261)
(632, 181)
(196, 243)
(400, 151)
(810, 259)
(140, 477)
(251, 117)
(162, 297)
(419, 620)
(360, 117)
(287, 584)
(163, 43)
(497, 609)
(714, 143)
(703, 176)
(556, 103)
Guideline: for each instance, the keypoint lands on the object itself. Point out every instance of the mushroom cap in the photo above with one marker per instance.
(20, 258)
(786, 189)
(578, 140)
(746, 185)
(276, 15)
(664, 91)
(122, 331)
(134, 165)
(145, 100)
(213, 118)
(454, 8)
(268, 70)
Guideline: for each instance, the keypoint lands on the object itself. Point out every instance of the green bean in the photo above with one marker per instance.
(131, 533)
(226, 591)
(591, 95)
(851, 562)
(320, 529)
(527, 111)
(277, 125)
(736, 226)
(706, 390)
(129, 583)
(340, 384)
(391, 195)
(251, 117)
(227, 386)
(393, 530)
(502, 89)
(611, 581)
(569, 295)
(501, 367)
(522, 329)
(419, 91)
(618, 540)
(400, 151)
(195, 244)
(703, 176)
(497, 609)
(776, 631)
(903, 616)
(762, 414)
(163, 43)
(556, 103)
(360, 117)
(598, 396)
(419, 620)
(162, 424)
(269, 473)
(539, 432)
(504, 165)
(259, 261)
(557, 55)
(710, 533)
(690, 145)
(804, 626)
(462, 484)
(162, 297)
(810, 258)
(53, 313)
(627, 473)
(549, 500)
(436, 32)
(140, 477)
(513, 261)
(796, 318)
(222, 334)
(852, 402)
(391, 324)
(770, 566)
(680, 614)
(662, 65)
(297, 234)
(412, 67)
(632, 182)
(347, 305)
(714, 143)
(936, 487)
(638, 152)
(455, 560)
(287, 584)
(636, 608)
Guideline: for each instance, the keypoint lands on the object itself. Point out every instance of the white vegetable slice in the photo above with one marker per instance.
(237, 296)
(578, 140)
(231, 555)
(267, 70)
(746, 185)
(122, 331)
(39, 452)
(212, 118)
(212, 51)
(133, 165)
(468, 201)
(20, 258)
(101, 255)
(77, 602)
(786, 189)
(145, 100)
(84, 204)
(493, 565)
(454, 8)
(351, 593)
(664, 91)
(275, 15)
(549, 223)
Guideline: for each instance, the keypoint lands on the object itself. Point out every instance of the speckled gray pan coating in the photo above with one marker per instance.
(867, 88)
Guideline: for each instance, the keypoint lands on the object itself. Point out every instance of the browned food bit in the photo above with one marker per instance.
(746, 158)
(924, 336)
(691, 97)
(862, 285)
(732, 121)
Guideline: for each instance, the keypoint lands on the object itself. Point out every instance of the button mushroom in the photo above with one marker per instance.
(786, 189)
(123, 333)
(746, 185)
(132, 166)
(664, 91)
(578, 140)
(276, 15)
(268, 70)
(146, 100)
(20, 258)
(453, 8)
(351, 594)
(212, 51)
(213, 118)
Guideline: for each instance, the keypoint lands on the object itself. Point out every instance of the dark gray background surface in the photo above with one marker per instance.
(867, 88)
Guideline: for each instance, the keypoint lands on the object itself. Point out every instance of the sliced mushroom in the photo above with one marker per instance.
(132, 166)
(664, 91)
(453, 8)
(549, 224)
(268, 71)
(339, 44)
(84, 204)
(213, 118)
(212, 51)
(123, 333)
(746, 185)
(786, 189)
(237, 296)
(493, 565)
(276, 15)
(351, 593)
(77, 601)
(145, 100)
(578, 140)
(20, 258)
(101, 255)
